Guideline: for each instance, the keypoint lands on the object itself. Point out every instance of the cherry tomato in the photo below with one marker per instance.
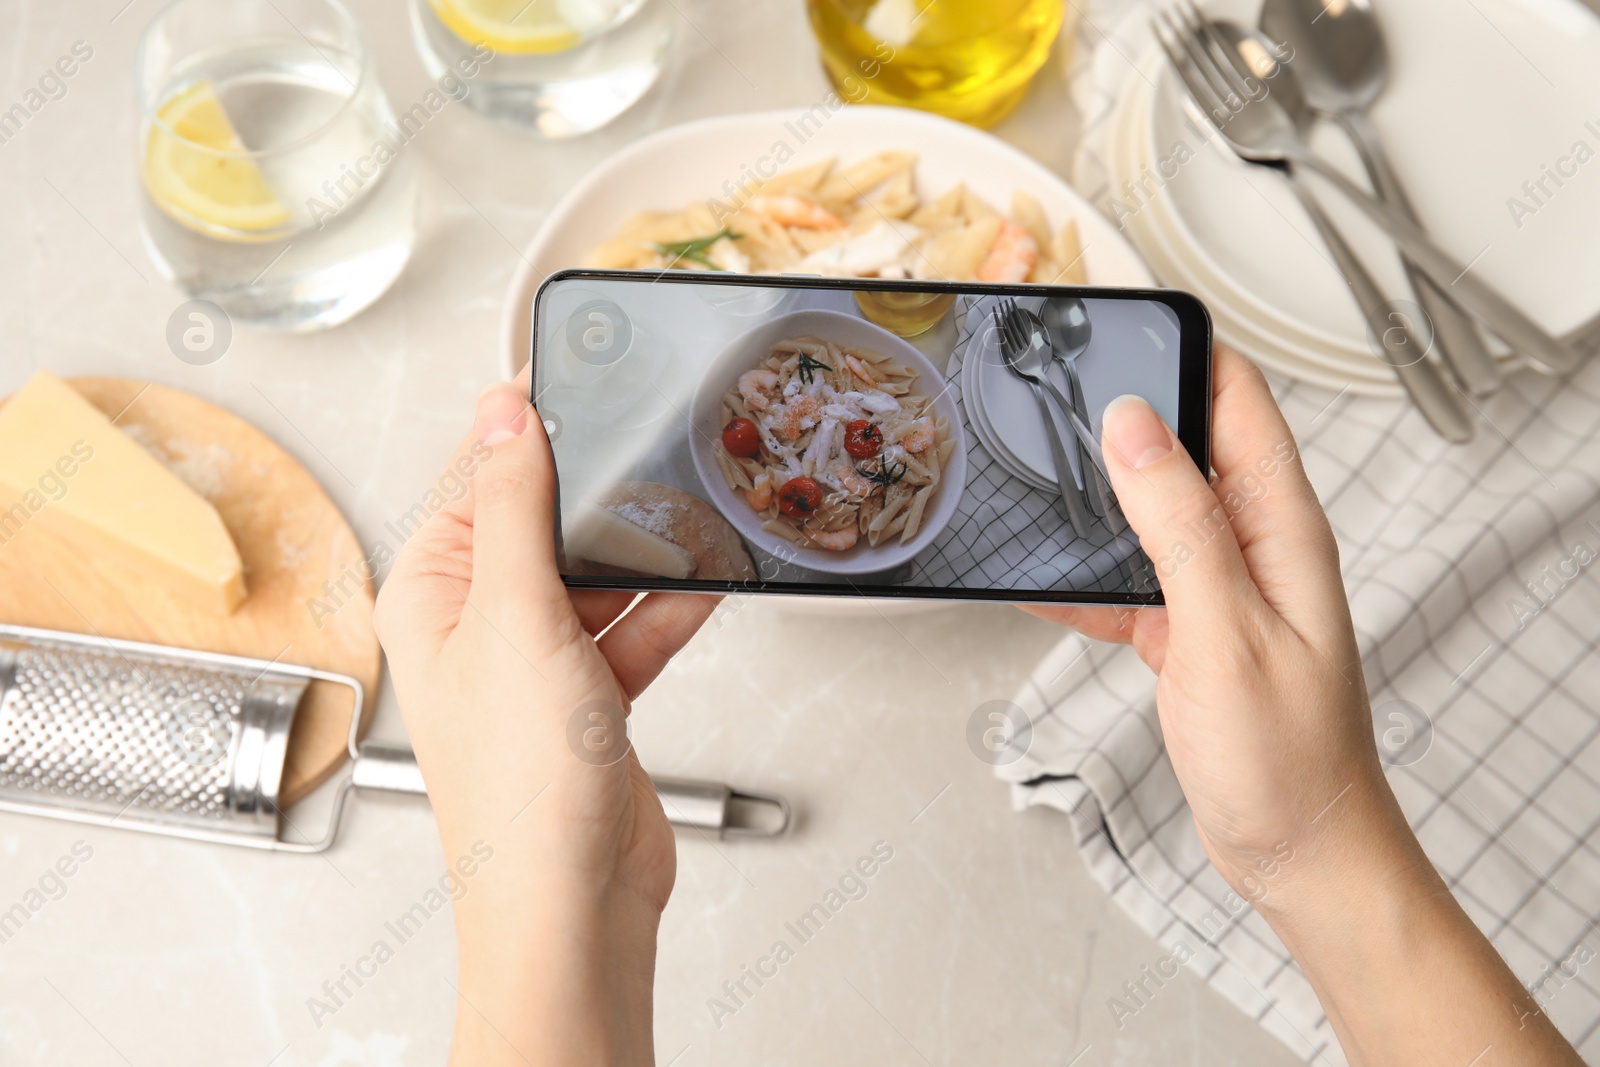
(799, 498)
(741, 438)
(862, 439)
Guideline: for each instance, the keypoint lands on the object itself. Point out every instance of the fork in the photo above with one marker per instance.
(1259, 130)
(1421, 377)
(1013, 348)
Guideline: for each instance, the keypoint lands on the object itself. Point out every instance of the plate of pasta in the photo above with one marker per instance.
(829, 442)
(894, 179)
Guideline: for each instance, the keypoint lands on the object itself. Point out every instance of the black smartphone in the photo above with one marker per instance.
(849, 437)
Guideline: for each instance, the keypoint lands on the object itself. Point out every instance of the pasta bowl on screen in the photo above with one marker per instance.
(829, 442)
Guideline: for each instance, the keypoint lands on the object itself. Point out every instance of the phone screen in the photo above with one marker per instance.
(854, 437)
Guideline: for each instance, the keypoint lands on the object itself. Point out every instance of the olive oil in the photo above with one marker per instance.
(969, 60)
(906, 314)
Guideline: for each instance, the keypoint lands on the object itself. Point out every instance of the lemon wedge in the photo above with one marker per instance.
(521, 27)
(192, 173)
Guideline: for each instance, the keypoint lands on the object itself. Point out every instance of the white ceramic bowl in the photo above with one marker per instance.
(747, 351)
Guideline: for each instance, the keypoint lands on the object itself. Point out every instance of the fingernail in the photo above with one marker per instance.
(1135, 432)
(502, 414)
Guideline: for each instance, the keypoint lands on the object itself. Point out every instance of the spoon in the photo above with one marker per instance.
(1023, 356)
(1259, 130)
(1067, 321)
(1342, 64)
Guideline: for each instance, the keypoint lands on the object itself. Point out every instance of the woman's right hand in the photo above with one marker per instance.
(1266, 720)
(1260, 691)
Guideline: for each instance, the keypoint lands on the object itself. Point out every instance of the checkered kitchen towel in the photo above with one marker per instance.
(1474, 578)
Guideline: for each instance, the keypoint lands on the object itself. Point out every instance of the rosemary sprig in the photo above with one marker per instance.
(807, 368)
(884, 475)
(695, 248)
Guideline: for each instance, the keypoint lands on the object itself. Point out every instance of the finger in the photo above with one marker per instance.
(513, 505)
(1277, 519)
(437, 529)
(599, 608)
(1181, 525)
(643, 640)
(1143, 628)
(1099, 622)
(426, 587)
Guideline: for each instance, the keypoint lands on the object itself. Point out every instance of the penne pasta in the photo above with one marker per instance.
(778, 223)
(802, 397)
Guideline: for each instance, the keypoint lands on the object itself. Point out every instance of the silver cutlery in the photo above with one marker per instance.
(1068, 329)
(1033, 333)
(1423, 381)
(1341, 65)
(1026, 362)
(1258, 129)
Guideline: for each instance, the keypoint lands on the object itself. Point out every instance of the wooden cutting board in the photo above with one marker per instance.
(687, 521)
(290, 536)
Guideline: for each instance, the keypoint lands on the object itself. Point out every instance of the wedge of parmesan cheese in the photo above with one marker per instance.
(604, 537)
(65, 468)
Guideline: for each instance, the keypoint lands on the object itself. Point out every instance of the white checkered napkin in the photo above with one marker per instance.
(1005, 534)
(1474, 581)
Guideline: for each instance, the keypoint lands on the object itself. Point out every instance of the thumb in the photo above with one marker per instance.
(1182, 526)
(513, 502)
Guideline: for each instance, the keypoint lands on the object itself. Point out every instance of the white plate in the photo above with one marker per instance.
(1121, 350)
(972, 400)
(688, 163)
(848, 331)
(1477, 104)
(1238, 318)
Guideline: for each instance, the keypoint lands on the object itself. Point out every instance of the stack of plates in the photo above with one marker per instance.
(1022, 449)
(1131, 351)
(1477, 105)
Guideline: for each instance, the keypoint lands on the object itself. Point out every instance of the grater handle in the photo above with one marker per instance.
(385, 767)
(688, 802)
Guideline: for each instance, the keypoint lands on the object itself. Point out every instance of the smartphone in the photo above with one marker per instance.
(849, 437)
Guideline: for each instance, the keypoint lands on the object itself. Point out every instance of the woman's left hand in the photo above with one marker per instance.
(516, 710)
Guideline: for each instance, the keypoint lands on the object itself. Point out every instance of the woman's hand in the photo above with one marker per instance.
(1260, 691)
(515, 709)
(1264, 711)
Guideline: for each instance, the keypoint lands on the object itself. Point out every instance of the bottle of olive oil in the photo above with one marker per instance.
(970, 60)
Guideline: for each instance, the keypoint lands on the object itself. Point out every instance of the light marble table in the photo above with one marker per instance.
(982, 940)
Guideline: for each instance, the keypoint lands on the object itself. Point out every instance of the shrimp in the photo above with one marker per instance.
(791, 209)
(1012, 255)
(833, 540)
(797, 416)
(919, 437)
(859, 369)
(761, 496)
(851, 481)
(753, 387)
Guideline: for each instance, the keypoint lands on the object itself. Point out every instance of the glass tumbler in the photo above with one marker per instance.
(276, 181)
(557, 67)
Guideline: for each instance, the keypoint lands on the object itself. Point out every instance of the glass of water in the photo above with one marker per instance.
(558, 67)
(276, 182)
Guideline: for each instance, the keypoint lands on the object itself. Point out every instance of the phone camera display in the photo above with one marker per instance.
(836, 437)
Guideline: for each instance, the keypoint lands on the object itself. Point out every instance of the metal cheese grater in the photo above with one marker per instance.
(192, 744)
(169, 741)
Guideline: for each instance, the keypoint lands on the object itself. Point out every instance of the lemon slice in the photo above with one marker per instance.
(191, 181)
(521, 27)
